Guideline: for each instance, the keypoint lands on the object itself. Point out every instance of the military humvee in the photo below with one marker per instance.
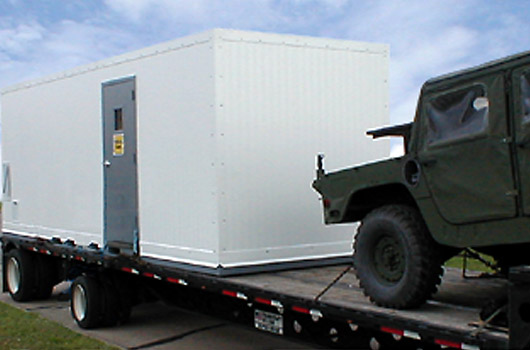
(464, 182)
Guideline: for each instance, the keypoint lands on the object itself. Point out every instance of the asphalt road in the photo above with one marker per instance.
(157, 326)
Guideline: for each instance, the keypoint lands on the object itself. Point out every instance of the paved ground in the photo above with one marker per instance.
(157, 326)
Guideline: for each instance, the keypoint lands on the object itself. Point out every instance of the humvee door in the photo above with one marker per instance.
(521, 105)
(464, 150)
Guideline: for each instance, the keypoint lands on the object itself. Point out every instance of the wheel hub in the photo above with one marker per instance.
(79, 302)
(13, 275)
(389, 259)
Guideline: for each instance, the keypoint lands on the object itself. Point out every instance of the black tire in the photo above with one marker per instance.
(117, 307)
(395, 258)
(111, 307)
(20, 274)
(86, 302)
(125, 312)
(46, 277)
(120, 293)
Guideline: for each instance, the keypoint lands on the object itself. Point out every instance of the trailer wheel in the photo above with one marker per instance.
(395, 258)
(86, 302)
(46, 277)
(20, 274)
(117, 305)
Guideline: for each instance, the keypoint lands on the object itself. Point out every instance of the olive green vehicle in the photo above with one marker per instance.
(464, 182)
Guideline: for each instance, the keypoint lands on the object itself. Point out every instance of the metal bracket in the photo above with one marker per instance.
(512, 193)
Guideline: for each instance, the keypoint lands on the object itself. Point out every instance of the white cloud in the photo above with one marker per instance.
(427, 38)
(17, 39)
(196, 11)
(130, 9)
(296, 16)
(29, 50)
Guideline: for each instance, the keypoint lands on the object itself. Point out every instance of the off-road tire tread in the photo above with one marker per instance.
(426, 274)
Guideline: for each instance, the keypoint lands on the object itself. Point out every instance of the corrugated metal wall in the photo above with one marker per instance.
(280, 101)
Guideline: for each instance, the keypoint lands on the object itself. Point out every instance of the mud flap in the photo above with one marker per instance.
(519, 307)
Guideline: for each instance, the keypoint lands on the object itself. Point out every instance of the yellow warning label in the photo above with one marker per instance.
(118, 141)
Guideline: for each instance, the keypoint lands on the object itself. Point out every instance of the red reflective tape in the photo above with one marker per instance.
(172, 280)
(78, 258)
(148, 274)
(263, 301)
(43, 251)
(126, 269)
(392, 330)
(448, 343)
(301, 309)
(230, 293)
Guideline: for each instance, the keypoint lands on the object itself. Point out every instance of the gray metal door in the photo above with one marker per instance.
(119, 166)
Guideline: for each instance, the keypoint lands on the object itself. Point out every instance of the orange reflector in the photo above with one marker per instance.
(263, 301)
(392, 330)
(230, 293)
(448, 343)
(301, 309)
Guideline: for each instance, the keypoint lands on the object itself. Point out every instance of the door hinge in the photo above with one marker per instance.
(133, 95)
(512, 193)
(507, 140)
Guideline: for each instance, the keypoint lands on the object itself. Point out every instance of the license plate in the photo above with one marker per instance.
(268, 321)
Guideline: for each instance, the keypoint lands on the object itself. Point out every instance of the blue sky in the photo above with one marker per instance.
(427, 38)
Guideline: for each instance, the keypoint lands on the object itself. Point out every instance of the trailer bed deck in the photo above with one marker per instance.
(455, 307)
(451, 318)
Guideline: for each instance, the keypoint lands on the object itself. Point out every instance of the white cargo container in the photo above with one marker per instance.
(198, 151)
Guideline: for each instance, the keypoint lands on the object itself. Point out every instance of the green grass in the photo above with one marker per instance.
(26, 330)
(472, 264)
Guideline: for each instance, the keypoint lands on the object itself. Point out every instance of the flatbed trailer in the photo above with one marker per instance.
(324, 303)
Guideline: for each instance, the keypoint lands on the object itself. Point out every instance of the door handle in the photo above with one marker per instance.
(106, 163)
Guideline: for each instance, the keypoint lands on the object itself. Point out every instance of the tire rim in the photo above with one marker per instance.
(389, 259)
(79, 302)
(13, 275)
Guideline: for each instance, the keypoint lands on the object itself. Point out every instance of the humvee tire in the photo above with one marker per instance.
(395, 258)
